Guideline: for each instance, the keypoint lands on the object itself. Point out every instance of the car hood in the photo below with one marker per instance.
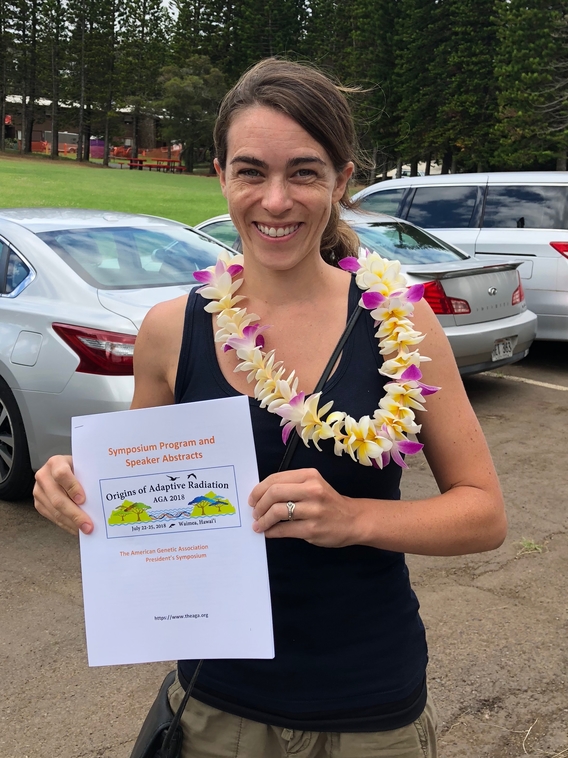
(135, 304)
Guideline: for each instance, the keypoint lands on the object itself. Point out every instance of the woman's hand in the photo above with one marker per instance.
(58, 495)
(321, 515)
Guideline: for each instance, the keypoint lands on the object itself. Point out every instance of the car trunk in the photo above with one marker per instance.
(488, 290)
(135, 304)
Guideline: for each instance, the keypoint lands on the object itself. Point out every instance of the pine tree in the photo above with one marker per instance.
(421, 77)
(466, 117)
(142, 53)
(52, 31)
(22, 26)
(523, 70)
(188, 105)
(6, 58)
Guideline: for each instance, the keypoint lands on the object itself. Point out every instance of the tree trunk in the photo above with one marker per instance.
(399, 168)
(414, 167)
(55, 96)
(373, 169)
(561, 161)
(134, 143)
(428, 162)
(87, 135)
(106, 150)
(54, 130)
(447, 162)
(2, 123)
(81, 125)
(453, 167)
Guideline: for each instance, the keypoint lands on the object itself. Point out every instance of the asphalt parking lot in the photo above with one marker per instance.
(497, 622)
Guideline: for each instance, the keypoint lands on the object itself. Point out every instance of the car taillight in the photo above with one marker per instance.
(440, 303)
(560, 247)
(100, 352)
(518, 294)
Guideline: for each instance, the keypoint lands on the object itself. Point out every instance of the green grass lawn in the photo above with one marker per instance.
(40, 182)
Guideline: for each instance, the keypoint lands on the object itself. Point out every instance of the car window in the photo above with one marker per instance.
(385, 201)
(405, 243)
(443, 207)
(224, 231)
(16, 270)
(529, 207)
(129, 257)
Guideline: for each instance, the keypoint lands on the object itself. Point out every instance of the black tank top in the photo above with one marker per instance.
(350, 645)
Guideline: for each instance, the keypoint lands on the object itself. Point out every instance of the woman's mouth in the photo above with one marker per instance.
(277, 231)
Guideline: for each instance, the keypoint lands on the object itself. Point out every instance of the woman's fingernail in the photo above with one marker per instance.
(86, 528)
(256, 527)
(78, 499)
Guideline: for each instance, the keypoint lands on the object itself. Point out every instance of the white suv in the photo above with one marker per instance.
(521, 215)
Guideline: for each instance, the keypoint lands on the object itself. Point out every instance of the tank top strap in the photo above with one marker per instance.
(184, 361)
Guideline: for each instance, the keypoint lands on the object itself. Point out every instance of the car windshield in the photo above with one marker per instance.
(130, 257)
(405, 243)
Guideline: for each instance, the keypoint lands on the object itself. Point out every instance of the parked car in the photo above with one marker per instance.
(496, 217)
(74, 288)
(481, 306)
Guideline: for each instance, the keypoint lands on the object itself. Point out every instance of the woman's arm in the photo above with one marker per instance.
(57, 493)
(467, 517)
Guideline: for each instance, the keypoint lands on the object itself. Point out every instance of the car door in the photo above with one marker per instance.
(523, 221)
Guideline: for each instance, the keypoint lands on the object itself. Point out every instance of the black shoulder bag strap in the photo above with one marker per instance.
(291, 445)
(294, 437)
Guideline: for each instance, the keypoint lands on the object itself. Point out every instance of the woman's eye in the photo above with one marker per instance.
(251, 173)
(305, 173)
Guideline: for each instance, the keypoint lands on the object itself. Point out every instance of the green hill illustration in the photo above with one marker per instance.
(128, 512)
(211, 505)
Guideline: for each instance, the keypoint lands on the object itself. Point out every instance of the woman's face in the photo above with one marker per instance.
(280, 186)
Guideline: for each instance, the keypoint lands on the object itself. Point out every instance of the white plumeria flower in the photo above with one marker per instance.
(232, 322)
(363, 441)
(313, 428)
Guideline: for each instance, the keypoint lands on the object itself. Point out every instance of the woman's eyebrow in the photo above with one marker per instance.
(292, 163)
(304, 159)
(249, 159)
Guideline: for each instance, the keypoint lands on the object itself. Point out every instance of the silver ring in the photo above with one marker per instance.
(291, 506)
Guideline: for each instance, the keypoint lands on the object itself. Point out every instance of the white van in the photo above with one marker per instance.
(495, 216)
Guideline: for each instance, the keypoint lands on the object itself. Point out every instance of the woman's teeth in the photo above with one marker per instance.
(282, 231)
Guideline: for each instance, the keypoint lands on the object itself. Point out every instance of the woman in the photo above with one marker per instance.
(348, 678)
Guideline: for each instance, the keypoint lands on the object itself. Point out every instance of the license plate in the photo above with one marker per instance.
(502, 349)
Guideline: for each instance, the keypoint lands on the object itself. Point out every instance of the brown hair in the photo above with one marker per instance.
(319, 106)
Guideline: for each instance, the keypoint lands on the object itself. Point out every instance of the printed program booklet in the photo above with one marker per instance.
(172, 569)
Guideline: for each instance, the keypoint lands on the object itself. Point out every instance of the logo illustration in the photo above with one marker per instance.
(210, 504)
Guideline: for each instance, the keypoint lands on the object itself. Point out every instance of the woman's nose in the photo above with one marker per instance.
(276, 197)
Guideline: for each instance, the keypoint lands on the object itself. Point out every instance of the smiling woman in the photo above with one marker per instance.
(349, 676)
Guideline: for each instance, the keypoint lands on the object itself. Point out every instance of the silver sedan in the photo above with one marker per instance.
(480, 306)
(74, 288)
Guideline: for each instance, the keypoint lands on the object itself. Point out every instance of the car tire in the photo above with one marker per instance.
(16, 474)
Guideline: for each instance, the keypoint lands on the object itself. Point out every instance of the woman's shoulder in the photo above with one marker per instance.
(162, 329)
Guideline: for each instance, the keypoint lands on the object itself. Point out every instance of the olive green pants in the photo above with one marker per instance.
(210, 733)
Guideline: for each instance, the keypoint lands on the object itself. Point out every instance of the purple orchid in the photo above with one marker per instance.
(292, 412)
(350, 264)
(406, 447)
(413, 374)
(251, 338)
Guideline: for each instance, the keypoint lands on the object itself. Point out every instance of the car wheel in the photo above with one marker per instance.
(16, 475)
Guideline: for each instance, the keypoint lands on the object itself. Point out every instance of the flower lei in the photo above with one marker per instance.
(370, 441)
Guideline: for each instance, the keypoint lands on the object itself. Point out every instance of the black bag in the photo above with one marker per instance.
(161, 735)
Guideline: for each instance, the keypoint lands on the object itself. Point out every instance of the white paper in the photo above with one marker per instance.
(172, 569)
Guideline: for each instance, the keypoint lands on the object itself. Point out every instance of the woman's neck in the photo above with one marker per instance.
(311, 279)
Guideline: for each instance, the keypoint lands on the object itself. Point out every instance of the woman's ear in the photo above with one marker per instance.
(221, 175)
(342, 180)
